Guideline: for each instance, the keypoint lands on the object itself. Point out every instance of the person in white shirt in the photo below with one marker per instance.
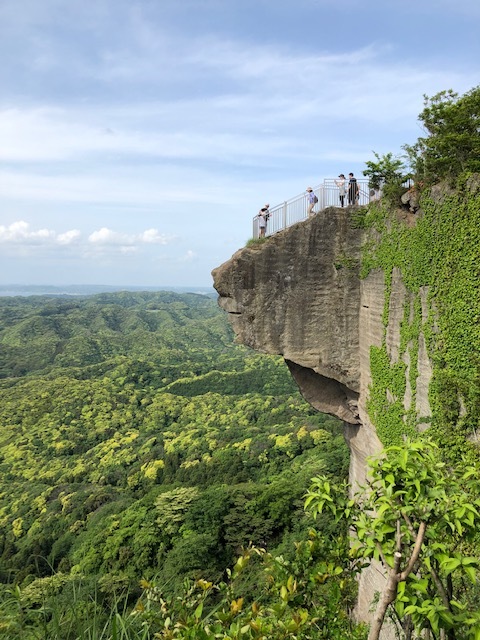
(263, 216)
(312, 199)
(341, 184)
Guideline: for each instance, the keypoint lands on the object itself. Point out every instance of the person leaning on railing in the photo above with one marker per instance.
(263, 216)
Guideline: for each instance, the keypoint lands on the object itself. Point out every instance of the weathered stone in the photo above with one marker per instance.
(410, 198)
(299, 295)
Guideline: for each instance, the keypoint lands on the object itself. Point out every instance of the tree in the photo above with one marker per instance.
(419, 518)
(386, 170)
(300, 600)
(451, 145)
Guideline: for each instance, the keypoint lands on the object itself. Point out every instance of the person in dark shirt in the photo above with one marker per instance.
(353, 190)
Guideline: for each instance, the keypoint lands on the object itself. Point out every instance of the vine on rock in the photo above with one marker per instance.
(440, 253)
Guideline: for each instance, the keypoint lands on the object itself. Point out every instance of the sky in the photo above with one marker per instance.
(138, 138)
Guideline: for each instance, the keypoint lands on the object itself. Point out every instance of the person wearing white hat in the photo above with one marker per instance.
(263, 216)
(312, 200)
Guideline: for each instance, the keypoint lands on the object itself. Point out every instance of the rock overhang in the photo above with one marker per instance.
(297, 295)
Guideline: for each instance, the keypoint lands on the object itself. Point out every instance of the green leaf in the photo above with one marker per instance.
(471, 573)
(450, 564)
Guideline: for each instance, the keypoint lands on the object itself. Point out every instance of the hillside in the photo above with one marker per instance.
(138, 441)
(376, 312)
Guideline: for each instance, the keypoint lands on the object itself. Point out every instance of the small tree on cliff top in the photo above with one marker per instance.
(418, 518)
(385, 170)
(451, 145)
(387, 173)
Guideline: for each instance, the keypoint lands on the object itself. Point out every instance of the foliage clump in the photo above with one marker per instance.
(449, 149)
(388, 176)
(451, 146)
(437, 259)
(418, 517)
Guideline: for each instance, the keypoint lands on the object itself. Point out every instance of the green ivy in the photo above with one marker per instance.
(385, 401)
(440, 252)
(344, 261)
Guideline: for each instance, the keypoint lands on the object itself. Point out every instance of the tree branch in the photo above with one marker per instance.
(441, 588)
(388, 596)
(415, 553)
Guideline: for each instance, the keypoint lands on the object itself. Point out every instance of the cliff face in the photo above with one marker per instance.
(287, 297)
(299, 295)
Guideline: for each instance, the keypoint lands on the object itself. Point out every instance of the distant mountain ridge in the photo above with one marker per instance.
(91, 289)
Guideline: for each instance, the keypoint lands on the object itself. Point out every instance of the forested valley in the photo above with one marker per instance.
(142, 454)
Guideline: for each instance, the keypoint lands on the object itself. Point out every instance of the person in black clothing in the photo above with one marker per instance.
(353, 190)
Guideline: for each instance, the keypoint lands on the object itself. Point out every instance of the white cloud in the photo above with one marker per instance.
(106, 236)
(262, 88)
(68, 237)
(189, 256)
(53, 133)
(20, 235)
(20, 232)
(152, 236)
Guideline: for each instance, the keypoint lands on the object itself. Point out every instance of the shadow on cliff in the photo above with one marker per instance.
(325, 394)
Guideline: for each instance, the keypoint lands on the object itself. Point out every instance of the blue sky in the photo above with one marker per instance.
(138, 138)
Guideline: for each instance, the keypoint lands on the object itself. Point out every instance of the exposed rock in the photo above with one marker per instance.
(410, 198)
(424, 369)
(299, 295)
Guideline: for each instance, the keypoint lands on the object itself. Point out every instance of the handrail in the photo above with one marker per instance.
(295, 210)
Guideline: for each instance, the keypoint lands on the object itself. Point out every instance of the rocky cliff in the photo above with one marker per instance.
(300, 295)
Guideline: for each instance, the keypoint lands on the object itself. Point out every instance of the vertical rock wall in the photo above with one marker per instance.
(299, 295)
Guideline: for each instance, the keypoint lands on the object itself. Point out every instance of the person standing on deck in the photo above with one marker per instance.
(262, 217)
(342, 189)
(312, 200)
(353, 190)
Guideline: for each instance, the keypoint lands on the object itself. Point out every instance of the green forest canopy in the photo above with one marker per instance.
(137, 440)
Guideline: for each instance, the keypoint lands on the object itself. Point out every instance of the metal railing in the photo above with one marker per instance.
(295, 210)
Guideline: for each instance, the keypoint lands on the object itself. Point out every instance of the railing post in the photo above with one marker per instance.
(284, 215)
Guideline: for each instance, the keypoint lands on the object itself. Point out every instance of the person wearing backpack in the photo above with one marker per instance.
(312, 201)
(353, 190)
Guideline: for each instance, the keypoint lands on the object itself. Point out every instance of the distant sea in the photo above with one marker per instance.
(91, 289)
